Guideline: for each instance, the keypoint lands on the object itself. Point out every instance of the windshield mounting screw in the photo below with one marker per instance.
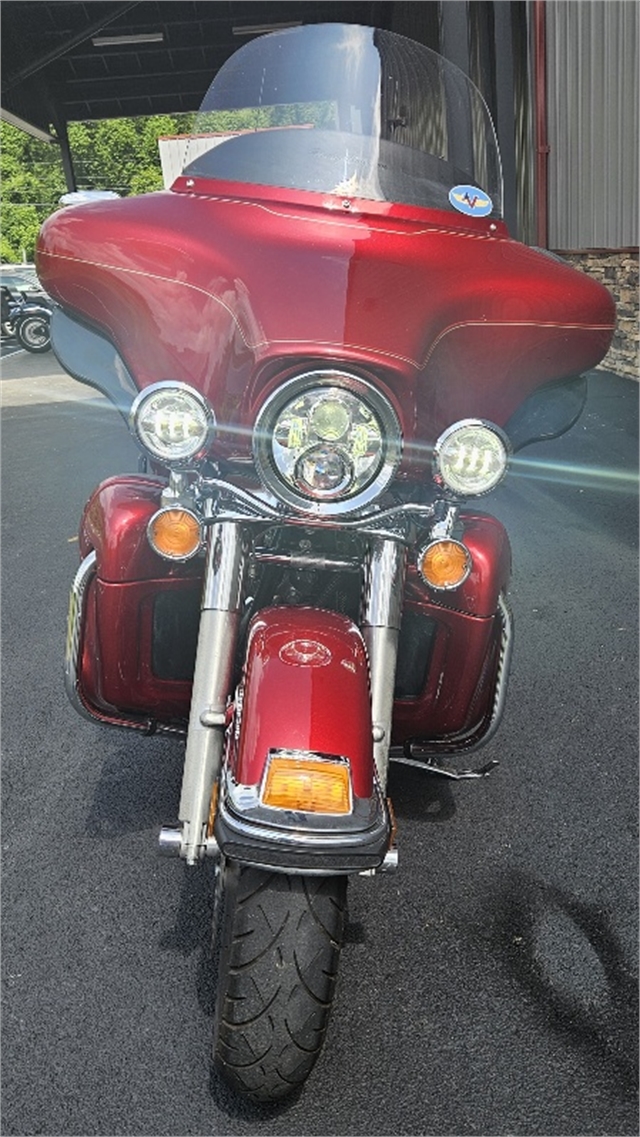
(346, 204)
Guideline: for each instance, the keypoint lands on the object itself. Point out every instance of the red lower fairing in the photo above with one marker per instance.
(456, 695)
(140, 620)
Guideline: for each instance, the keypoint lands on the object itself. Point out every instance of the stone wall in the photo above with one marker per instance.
(617, 269)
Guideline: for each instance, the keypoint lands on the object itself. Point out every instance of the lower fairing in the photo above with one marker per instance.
(134, 621)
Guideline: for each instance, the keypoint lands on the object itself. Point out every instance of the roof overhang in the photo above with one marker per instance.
(74, 60)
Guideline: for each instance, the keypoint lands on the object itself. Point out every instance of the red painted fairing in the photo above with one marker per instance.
(459, 688)
(116, 673)
(322, 706)
(116, 659)
(486, 539)
(227, 287)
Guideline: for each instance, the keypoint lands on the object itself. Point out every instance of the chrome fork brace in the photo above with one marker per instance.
(212, 682)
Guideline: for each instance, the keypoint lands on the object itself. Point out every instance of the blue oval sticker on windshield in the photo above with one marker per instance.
(470, 200)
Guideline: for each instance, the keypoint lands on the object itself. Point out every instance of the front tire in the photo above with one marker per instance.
(277, 939)
(34, 334)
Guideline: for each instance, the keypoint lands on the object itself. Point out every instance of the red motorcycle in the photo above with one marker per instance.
(327, 345)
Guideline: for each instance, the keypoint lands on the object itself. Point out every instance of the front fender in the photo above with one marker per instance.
(305, 690)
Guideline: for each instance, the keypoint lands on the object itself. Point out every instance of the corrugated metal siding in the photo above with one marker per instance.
(592, 87)
(525, 138)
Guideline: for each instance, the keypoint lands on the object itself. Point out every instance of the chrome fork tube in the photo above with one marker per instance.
(213, 675)
(381, 616)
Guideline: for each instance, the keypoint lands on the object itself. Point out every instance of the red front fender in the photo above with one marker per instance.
(306, 688)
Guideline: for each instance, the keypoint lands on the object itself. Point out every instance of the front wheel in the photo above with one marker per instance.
(34, 334)
(277, 939)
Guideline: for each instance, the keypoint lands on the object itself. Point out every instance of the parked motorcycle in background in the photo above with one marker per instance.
(328, 348)
(27, 322)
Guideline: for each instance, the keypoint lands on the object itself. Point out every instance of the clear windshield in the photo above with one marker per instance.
(353, 111)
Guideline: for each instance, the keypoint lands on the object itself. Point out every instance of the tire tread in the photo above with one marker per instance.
(284, 978)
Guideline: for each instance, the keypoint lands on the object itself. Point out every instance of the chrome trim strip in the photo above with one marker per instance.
(502, 676)
(81, 582)
(306, 562)
(305, 833)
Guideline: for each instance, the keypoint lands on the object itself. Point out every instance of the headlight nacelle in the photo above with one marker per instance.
(172, 422)
(327, 443)
(471, 457)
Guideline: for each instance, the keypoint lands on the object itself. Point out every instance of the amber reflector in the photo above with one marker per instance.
(308, 785)
(175, 533)
(444, 564)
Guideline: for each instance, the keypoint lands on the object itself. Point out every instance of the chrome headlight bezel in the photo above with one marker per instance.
(443, 478)
(376, 404)
(200, 447)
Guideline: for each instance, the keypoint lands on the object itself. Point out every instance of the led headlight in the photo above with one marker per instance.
(173, 422)
(326, 443)
(470, 457)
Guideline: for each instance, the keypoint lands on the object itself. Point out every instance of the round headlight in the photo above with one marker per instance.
(173, 422)
(470, 457)
(327, 443)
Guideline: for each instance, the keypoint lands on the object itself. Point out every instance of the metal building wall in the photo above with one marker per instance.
(592, 101)
(525, 136)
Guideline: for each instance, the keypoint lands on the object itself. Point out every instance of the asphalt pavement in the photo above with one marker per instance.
(489, 987)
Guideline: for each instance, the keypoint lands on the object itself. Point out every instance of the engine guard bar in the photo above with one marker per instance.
(421, 754)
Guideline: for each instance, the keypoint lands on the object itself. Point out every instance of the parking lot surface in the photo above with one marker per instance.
(489, 987)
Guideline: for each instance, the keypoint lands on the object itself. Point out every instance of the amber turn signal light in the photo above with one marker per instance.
(444, 564)
(307, 785)
(175, 534)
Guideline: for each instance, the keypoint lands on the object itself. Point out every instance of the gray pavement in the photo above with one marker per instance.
(489, 987)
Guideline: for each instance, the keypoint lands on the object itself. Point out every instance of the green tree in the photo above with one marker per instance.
(31, 183)
(115, 154)
(122, 154)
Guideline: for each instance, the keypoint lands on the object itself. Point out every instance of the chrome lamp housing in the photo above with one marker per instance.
(173, 422)
(327, 443)
(470, 458)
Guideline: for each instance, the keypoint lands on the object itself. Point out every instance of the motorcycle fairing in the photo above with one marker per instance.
(449, 317)
(91, 358)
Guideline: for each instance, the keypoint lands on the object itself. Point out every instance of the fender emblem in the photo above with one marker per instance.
(305, 653)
